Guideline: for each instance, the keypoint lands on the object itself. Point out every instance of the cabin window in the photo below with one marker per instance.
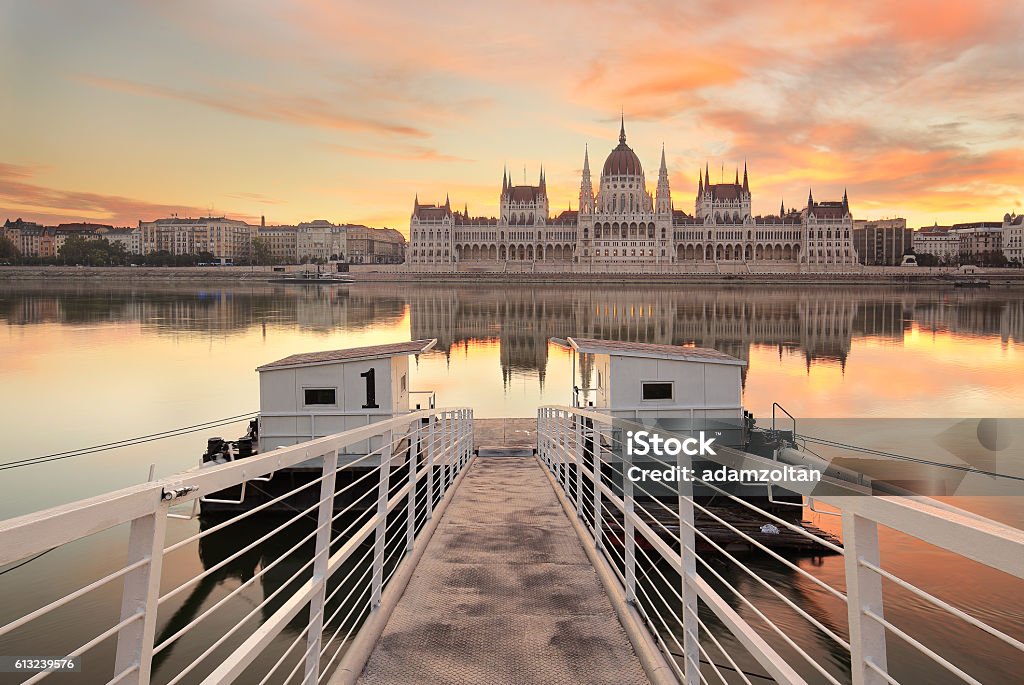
(321, 396)
(657, 391)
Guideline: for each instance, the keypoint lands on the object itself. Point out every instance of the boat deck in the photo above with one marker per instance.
(504, 594)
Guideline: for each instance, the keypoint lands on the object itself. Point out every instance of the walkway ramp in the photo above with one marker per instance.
(504, 594)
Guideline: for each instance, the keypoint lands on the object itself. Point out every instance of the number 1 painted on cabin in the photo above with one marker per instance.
(371, 389)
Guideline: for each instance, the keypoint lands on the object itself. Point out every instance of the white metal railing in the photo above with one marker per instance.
(394, 491)
(639, 535)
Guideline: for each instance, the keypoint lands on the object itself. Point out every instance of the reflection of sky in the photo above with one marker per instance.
(928, 375)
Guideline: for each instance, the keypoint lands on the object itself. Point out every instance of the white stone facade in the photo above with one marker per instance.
(223, 238)
(1013, 238)
(625, 225)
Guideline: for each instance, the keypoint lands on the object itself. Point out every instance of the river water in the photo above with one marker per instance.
(86, 364)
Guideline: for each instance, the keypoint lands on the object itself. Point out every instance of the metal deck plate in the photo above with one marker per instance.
(504, 595)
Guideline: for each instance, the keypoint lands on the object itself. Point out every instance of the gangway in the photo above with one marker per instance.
(445, 519)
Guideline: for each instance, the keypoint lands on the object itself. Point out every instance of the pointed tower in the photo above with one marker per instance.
(504, 181)
(622, 129)
(737, 181)
(663, 194)
(846, 202)
(746, 185)
(447, 203)
(700, 184)
(707, 181)
(543, 181)
(782, 208)
(586, 187)
(810, 200)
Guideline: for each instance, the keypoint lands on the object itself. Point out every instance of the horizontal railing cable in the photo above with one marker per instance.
(127, 442)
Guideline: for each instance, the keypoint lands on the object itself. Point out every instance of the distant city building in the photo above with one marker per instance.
(374, 245)
(321, 240)
(282, 241)
(939, 241)
(227, 239)
(979, 239)
(26, 236)
(128, 238)
(623, 224)
(352, 243)
(882, 242)
(1013, 238)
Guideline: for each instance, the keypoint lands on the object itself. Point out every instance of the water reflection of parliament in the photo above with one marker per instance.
(819, 323)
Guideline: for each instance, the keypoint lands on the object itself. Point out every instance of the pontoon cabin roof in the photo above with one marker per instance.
(351, 354)
(618, 348)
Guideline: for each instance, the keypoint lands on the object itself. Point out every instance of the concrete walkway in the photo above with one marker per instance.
(504, 595)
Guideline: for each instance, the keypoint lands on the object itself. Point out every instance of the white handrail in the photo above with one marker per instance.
(572, 445)
(414, 446)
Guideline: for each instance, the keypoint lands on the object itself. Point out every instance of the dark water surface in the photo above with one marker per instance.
(85, 364)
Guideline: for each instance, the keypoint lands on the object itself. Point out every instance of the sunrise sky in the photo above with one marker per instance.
(120, 111)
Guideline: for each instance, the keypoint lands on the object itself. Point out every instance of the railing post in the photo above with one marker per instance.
(320, 557)
(578, 453)
(598, 513)
(629, 527)
(431, 435)
(467, 442)
(446, 455)
(410, 506)
(560, 447)
(545, 438)
(863, 593)
(688, 559)
(141, 592)
(380, 532)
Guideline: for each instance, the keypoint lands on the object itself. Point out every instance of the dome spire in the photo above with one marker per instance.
(622, 128)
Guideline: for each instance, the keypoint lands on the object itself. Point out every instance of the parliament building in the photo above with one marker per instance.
(623, 227)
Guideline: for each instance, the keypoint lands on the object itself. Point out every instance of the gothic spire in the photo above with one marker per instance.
(746, 185)
(622, 129)
(810, 199)
(700, 183)
(737, 181)
(782, 208)
(707, 181)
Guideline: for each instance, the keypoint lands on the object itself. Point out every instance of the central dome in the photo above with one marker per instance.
(622, 161)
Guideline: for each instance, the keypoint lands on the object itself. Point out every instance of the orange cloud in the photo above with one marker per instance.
(19, 197)
(414, 153)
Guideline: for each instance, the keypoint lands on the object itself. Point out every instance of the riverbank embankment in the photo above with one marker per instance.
(1013, 278)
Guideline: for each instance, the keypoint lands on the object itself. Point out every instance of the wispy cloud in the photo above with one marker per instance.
(21, 197)
(266, 105)
(414, 153)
